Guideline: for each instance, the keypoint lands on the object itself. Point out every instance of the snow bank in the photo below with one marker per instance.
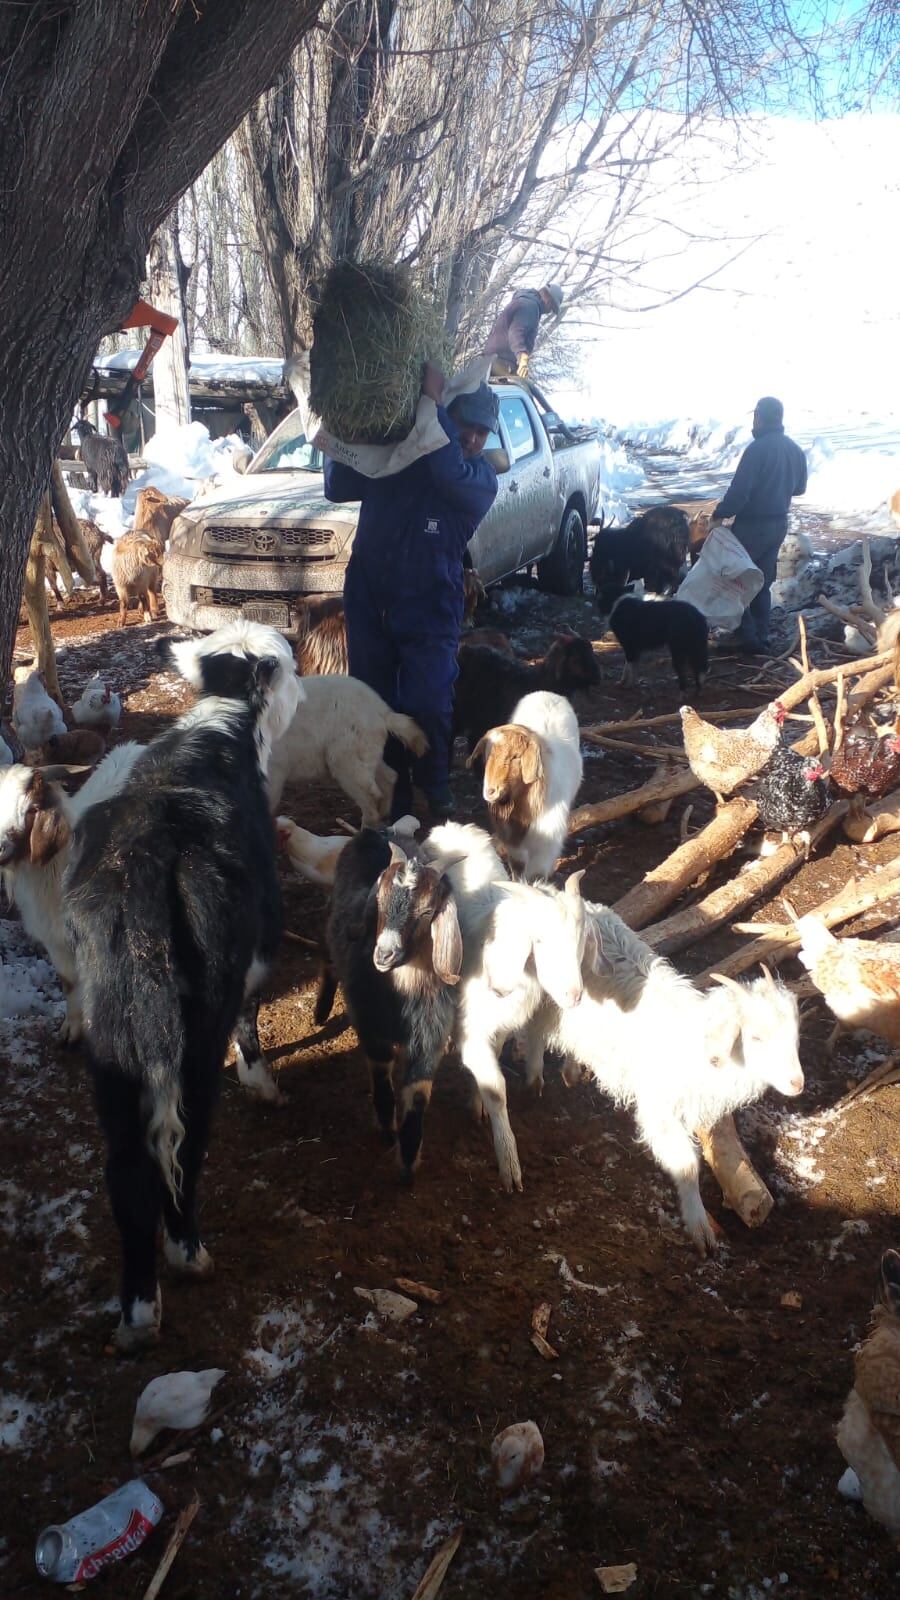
(620, 476)
(181, 461)
(219, 369)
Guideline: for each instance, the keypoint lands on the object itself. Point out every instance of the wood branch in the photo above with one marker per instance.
(804, 648)
(437, 1569)
(622, 805)
(867, 603)
(779, 942)
(615, 728)
(850, 616)
(690, 861)
(179, 1534)
(802, 689)
(35, 597)
(840, 711)
(699, 920)
(734, 1172)
(631, 746)
(658, 810)
(867, 687)
(77, 551)
(864, 824)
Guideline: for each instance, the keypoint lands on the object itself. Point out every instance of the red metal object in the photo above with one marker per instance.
(141, 315)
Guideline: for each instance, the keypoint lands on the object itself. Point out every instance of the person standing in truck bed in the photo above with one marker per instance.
(770, 472)
(403, 591)
(512, 338)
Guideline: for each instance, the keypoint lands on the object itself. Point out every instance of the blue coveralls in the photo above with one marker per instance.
(770, 472)
(403, 592)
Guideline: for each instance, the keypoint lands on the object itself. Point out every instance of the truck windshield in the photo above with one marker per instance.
(288, 450)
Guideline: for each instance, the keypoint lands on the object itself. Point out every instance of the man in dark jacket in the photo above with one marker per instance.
(512, 338)
(770, 472)
(403, 592)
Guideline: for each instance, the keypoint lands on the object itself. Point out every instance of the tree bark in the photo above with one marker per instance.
(171, 394)
(35, 595)
(108, 113)
(77, 551)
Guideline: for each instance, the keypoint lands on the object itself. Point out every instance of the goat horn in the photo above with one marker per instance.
(573, 882)
(768, 973)
(727, 983)
(398, 856)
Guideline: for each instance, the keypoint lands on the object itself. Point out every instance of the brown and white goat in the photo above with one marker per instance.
(155, 512)
(137, 574)
(396, 949)
(532, 772)
(321, 635)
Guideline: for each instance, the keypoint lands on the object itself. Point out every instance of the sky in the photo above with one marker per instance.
(808, 312)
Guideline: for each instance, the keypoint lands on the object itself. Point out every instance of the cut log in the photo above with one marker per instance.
(666, 882)
(35, 597)
(851, 616)
(622, 805)
(779, 943)
(734, 1172)
(866, 824)
(77, 551)
(699, 920)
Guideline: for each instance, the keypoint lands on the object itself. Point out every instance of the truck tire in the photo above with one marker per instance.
(562, 571)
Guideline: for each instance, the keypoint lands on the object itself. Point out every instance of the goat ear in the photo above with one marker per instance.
(532, 763)
(889, 1280)
(482, 750)
(265, 670)
(49, 833)
(446, 943)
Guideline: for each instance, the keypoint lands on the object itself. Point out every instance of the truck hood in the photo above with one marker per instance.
(269, 497)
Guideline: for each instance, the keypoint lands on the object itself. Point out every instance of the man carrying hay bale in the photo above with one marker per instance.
(512, 338)
(403, 591)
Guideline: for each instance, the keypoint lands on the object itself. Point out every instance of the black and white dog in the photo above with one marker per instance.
(175, 913)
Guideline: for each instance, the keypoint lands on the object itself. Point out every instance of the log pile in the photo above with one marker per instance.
(647, 906)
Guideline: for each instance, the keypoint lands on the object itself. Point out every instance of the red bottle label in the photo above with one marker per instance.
(124, 1543)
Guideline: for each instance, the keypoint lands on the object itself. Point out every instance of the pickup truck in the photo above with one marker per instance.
(250, 552)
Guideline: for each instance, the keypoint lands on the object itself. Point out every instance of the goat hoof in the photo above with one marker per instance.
(69, 1034)
(258, 1082)
(188, 1261)
(709, 1236)
(535, 1087)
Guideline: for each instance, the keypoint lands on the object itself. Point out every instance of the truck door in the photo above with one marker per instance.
(531, 498)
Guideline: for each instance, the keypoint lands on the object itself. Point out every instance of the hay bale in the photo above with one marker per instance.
(371, 334)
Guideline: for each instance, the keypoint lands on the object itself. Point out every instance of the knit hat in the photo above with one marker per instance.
(556, 295)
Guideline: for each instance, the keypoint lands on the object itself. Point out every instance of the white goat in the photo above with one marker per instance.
(36, 820)
(681, 1059)
(532, 773)
(35, 716)
(521, 942)
(339, 732)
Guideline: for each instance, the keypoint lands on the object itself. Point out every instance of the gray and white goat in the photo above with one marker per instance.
(395, 947)
(522, 943)
(680, 1059)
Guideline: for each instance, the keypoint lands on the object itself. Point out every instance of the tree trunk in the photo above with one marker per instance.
(36, 600)
(108, 113)
(171, 394)
(663, 884)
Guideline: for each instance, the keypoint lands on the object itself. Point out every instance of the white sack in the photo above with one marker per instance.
(723, 581)
(383, 460)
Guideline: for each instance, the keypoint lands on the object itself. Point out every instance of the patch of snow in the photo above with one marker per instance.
(19, 1421)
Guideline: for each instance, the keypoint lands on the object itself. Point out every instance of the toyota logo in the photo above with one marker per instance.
(264, 542)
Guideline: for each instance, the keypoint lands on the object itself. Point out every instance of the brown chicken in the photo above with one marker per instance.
(724, 758)
(859, 978)
(867, 763)
(868, 1434)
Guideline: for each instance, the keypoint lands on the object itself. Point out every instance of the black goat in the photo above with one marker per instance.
(653, 547)
(175, 912)
(490, 683)
(647, 625)
(396, 948)
(105, 458)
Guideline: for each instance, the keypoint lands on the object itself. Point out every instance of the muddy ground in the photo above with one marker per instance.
(689, 1416)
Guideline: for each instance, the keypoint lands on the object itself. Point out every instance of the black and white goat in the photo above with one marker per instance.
(396, 949)
(174, 910)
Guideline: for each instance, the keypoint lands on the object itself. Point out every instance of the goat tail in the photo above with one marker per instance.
(161, 1107)
(407, 731)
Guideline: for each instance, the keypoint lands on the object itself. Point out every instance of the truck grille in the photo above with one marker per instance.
(267, 544)
(205, 596)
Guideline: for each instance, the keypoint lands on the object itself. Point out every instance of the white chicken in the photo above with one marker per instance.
(315, 857)
(176, 1400)
(868, 1434)
(35, 717)
(98, 707)
(517, 1454)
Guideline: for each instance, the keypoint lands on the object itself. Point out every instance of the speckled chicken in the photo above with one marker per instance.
(859, 978)
(868, 1434)
(791, 793)
(867, 763)
(724, 758)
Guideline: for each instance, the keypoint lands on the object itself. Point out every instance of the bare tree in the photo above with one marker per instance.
(461, 139)
(168, 277)
(108, 113)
